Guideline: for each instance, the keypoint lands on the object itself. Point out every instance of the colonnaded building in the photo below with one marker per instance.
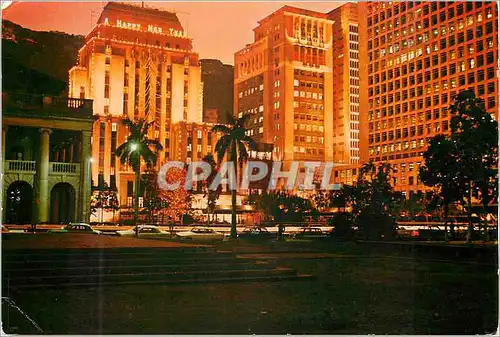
(139, 62)
(46, 158)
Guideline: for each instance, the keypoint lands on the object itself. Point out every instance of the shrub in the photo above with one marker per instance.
(342, 226)
(376, 226)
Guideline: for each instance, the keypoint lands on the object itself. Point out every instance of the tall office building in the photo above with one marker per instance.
(421, 54)
(349, 83)
(284, 78)
(138, 62)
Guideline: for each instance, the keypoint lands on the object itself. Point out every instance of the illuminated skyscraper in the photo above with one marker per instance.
(284, 78)
(139, 62)
(349, 84)
(421, 54)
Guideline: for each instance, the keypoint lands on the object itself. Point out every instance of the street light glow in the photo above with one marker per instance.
(133, 147)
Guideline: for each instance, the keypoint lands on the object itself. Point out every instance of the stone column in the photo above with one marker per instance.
(85, 179)
(42, 176)
(4, 137)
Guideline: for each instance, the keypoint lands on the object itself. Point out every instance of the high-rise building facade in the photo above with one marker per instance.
(349, 83)
(421, 54)
(137, 62)
(284, 78)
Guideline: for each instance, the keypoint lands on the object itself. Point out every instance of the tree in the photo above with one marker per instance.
(138, 147)
(440, 172)
(178, 201)
(474, 133)
(323, 200)
(103, 198)
(281, 206)
(211, 195)
(153, 196)
(234, 144)
(371, 201)
(463, 164)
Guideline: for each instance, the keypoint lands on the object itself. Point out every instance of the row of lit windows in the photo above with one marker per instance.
(433, 84)
(396, 8)
(250, 91)
(448, 27)
(307, 105)
(308, 127)
(308, 73)
(375, 66)
(409, 132)
(444, 30)
(398, 147)
(413, 118)
(430, 101)
(434, 61)
(309, 139)
(429, 49)
(309, 118)
(297, 83)
(308, 94)
(408, 17)
(302, 149)
(435, 17)
(443, 44)
(251, 111)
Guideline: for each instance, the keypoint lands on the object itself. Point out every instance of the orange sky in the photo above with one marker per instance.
(218, 28)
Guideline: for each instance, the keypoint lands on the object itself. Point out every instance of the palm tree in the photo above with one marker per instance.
(136, 147)
(233, 143)
(368, 169)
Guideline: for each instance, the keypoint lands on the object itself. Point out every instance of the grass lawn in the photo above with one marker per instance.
(354, 292)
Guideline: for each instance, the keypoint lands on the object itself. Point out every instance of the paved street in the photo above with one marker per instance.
(354, 288)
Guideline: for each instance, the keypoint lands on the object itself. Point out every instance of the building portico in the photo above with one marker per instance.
(46, 155)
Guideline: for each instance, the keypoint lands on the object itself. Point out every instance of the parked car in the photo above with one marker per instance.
(256, 233)
(145, 231)
(200, 233)
(310, 233)
(82, 228)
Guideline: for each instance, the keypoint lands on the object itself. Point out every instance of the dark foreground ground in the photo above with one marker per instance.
(358, 289)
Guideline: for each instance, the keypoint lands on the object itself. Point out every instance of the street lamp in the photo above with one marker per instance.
(87, 193)
(135, 147)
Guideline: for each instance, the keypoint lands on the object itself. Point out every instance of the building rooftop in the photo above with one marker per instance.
(30, 105)
(142, 12)
(296, 10)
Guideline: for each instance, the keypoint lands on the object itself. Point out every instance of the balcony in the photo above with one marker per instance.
(20, 166)
(28, 105)
(65, 168)
(28, 166)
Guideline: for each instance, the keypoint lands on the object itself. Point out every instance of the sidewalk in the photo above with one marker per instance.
(71, 241)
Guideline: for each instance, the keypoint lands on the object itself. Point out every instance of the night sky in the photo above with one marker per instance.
(219, 29)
